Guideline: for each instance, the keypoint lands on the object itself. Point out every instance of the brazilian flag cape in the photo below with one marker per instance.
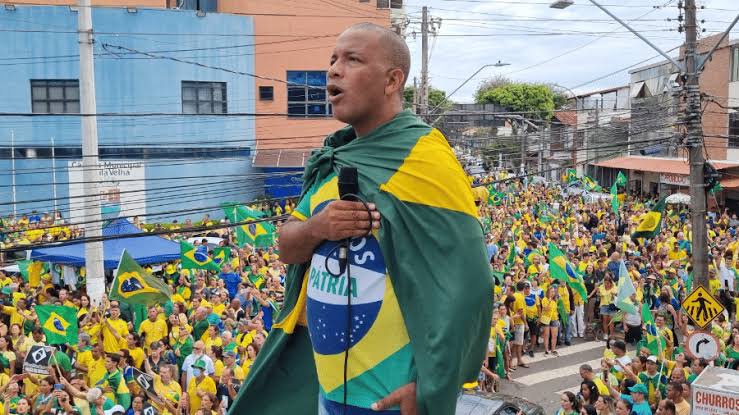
(410, 173)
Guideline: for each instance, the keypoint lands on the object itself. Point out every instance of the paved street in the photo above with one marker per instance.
(549, 376)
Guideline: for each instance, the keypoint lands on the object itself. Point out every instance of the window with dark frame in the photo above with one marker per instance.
(306, 94)
(734, 64)
(204, 97)
(266, 93)
(55, 96)
(389, 4)
(734, 129)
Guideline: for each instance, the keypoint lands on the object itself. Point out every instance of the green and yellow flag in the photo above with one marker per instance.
(621, 180)
(415, 177)
(561, 269)
(132, 285)
(654, 340)
(31, 271)
(571, 176)
(257, 234)
(191, 259)
(495, 198)
(221, 255)
(59, 323)
(651, 225)
(590, 184)
(615, 204)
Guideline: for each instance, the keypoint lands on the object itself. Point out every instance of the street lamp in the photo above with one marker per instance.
(446, 98)
(561, 4)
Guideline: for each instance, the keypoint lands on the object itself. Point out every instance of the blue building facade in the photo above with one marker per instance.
(173, 95)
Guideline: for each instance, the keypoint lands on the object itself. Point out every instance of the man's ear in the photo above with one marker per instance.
(395, 82)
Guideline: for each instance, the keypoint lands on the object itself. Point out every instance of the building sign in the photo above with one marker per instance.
(122, 189)
(674, 179)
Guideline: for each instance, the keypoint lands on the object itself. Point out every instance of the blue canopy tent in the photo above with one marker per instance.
(144, 249)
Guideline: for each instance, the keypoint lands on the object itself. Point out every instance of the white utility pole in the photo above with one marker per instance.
(53, 172)
(90, 173)
(424, 98)
(12, 167)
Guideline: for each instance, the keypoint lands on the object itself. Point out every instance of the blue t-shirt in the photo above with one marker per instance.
(641, 408)
(232, 283)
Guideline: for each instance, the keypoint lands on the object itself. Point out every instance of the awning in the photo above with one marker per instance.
(730, 183)
(636, 88)
(281, 158)
(658, 164)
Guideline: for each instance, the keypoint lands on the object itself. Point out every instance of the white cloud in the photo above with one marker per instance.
(518, 27)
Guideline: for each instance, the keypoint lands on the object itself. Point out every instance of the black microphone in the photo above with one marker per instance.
(348, 183)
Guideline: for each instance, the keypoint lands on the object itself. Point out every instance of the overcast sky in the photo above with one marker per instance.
(569, 47)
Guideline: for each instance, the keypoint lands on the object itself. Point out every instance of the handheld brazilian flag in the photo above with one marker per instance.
(655, 342)
(257, 234)
(59, 323)
(221, 255)
(511, 260)
(31, 271)
(615, 204)
(621, 180)
(571, 176)
(650, 225)
(495, 198)
(590, 184)
(562, 270)
(190, 259)
(625, 290)
(132, 285)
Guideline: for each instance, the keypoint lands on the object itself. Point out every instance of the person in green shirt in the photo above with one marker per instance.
(61, 360)
(200, 323)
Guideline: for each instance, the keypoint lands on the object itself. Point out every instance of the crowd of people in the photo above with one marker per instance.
(200, 346)
(536, 313)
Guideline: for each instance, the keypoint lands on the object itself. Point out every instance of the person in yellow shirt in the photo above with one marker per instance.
(519, 321)
(200, 385)
(153, 329)
(229, 362)
(18, 313)
(212, 338)
(549, 321)
(251, 355)
(114, 330)
(93, 365)
(133, 344)
(607, 292)
(164, 385)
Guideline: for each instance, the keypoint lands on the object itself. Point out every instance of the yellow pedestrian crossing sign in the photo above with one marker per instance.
(702, 307)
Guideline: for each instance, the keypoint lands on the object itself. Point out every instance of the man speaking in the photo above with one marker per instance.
(410, 324)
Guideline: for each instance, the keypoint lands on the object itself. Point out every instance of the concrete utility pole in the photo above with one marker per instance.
(695, 148)
(415, 95)
(523, 146)
(424, 99)
(90, 174)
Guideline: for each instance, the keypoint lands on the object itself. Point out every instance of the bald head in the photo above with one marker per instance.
(396, 51)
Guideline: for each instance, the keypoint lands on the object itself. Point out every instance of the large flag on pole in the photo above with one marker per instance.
(191, 260)
(571, 176)
(562, 270)
(58, 322)
(625, 290)
(257, 234)
(133, 285)
(31, 271)
(652, 222)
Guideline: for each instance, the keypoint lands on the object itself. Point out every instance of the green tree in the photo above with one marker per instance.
(437, 100)
(536, 100)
